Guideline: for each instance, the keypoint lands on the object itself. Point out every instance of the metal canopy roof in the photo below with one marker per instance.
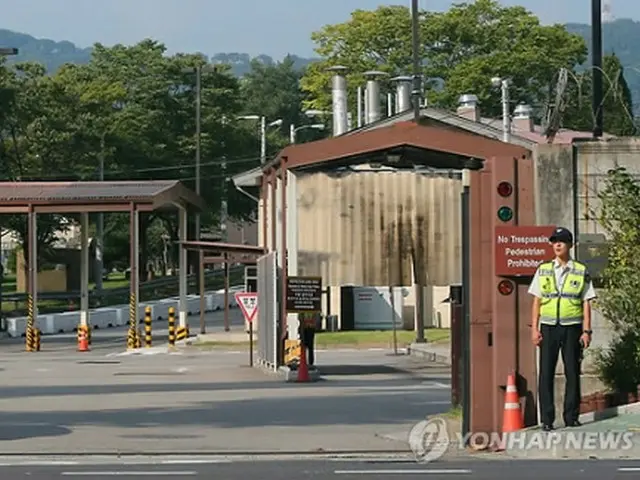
(76, 197)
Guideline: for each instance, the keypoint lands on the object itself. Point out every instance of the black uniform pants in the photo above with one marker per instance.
(556, 339)
(308, 340)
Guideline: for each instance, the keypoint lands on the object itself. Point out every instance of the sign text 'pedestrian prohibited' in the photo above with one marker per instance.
(430, 440)
(248, 303)
(520, 249)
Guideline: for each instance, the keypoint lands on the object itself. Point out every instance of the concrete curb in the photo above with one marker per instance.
(291, 375)
(612, 412)
(429, 356)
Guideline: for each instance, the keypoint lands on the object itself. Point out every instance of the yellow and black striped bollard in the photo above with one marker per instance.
(30, 330)
(36, 338)
(172, 326)
(182, 333)
(147, 327)
(132, 335)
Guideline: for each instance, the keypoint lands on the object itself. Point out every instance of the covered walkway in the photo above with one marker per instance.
(81, 198)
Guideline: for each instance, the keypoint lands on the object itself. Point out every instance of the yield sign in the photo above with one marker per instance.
(248, 302)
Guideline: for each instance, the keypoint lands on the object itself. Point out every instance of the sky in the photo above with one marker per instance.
(272, 27)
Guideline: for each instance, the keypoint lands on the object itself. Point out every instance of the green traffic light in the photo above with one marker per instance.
(505, 214)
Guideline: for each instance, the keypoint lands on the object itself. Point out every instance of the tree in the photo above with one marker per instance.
(461, 50)
(617, 103)
(619, 215)
(134, 106)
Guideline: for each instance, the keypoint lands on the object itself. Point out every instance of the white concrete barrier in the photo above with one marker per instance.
(116, 316)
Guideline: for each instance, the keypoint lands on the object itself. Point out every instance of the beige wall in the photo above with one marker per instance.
(48, 280)
(361, 228)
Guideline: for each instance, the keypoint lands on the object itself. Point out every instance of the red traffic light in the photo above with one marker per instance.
(505, 189)
(505, 287)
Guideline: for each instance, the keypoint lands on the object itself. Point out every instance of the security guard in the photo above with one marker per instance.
(561, 322)
(308, 334)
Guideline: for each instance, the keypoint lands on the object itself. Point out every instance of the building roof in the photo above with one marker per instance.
(401, 134)
(447, 117)
(67, 197)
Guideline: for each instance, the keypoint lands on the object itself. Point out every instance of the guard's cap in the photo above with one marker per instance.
(561, 234)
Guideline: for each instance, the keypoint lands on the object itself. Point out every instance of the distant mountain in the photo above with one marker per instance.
(54, 54)
(620, 37)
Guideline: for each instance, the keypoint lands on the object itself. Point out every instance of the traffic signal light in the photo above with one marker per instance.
(505, 190)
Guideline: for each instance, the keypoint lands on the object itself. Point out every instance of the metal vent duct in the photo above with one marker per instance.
(339, 97)
(373, 101)
(403, 93)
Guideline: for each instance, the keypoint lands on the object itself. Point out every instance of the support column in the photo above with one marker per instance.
(84, 270)
(285, 260)
(134, 285)
(32, 279)
(182, 237)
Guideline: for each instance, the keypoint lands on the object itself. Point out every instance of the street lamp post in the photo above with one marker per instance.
(263, 132)
(293, 130)
(503, 84)
(4, 52)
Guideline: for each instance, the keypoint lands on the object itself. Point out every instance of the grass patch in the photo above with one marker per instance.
(367, 338)
(454, 412)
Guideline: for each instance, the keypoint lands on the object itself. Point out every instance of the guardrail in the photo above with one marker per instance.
(149, 290)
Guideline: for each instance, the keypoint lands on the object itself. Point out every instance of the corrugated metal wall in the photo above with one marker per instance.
(363, 227)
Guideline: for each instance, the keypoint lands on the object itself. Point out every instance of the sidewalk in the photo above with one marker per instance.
(612, 434)
(432, 352)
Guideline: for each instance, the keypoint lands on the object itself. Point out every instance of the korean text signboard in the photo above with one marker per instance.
(304, 294)
(519, 250)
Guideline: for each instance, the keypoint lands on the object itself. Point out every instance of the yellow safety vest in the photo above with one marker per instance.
(561, 306)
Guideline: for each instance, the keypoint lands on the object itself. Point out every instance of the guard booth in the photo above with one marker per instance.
(251, 286)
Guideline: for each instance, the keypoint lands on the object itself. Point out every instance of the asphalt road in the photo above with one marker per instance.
(336, 470)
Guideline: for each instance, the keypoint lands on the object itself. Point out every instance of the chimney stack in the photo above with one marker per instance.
(372, 97)
(468, 107)
(339, 97)
(403, 93)
(523, 118)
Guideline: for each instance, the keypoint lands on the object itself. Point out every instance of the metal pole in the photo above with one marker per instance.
(100, 223)
(203, 328)
(359, 107)
(200, 276)
(263, 140)
(417, 76)
(292, 133)
(596, 52)
(506, 116)
(392, 301)
(466, 304)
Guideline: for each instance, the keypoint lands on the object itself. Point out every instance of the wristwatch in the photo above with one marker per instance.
(588, 332)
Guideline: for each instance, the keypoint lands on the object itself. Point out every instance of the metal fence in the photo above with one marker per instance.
(267, 354)
(149, 290)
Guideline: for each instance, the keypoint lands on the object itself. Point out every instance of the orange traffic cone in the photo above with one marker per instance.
(83, 341)
(303, 369)
(512, 420)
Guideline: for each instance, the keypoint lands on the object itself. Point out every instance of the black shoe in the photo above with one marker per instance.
(573, 423)
(547, 428)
